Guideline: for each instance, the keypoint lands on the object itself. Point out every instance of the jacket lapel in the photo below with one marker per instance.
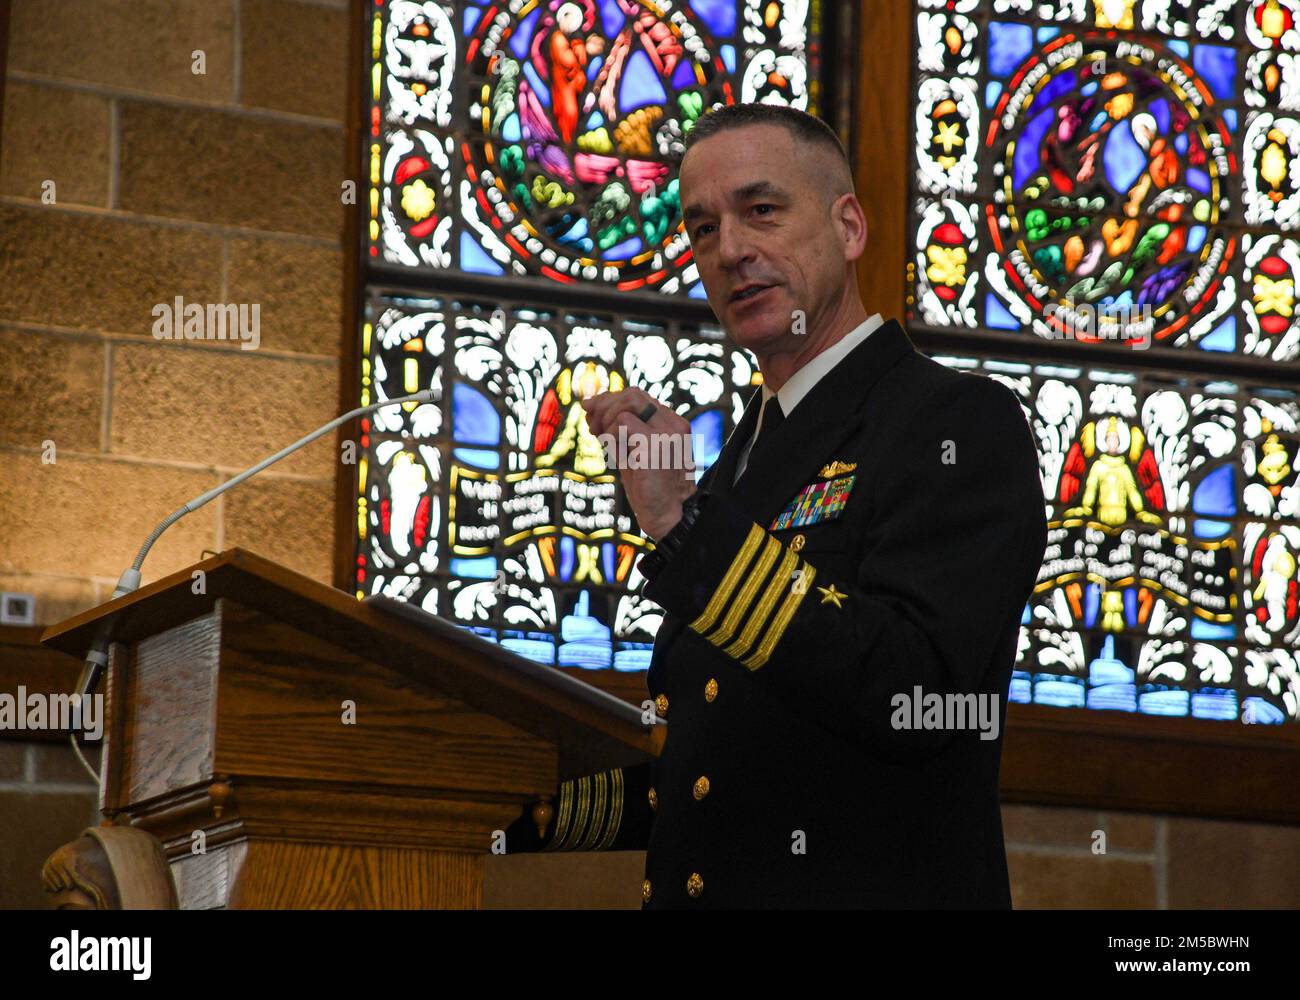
(824, 419)
(808, 438)
(723, 470)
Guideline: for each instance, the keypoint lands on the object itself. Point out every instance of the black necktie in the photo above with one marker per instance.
(773, 417)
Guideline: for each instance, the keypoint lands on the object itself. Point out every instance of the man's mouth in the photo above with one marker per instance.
(748, 292)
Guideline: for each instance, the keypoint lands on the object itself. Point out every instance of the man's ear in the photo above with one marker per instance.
(850, 223)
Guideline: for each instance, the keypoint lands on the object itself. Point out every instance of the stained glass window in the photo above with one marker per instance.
(494, 506)
(1103, 217)
(522, 249)
(539, 138)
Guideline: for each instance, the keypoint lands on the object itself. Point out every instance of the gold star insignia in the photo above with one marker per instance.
(831, 596)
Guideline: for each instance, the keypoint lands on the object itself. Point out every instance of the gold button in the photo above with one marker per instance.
(710, 690)
(654, 799)
(701, 786)
(661, 704)
(694, 885)
(796, 543)
(645, 890)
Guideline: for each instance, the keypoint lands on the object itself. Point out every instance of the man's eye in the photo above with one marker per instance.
(764, 209)
(702, 230)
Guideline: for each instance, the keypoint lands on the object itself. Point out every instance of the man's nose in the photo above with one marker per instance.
(734, 246)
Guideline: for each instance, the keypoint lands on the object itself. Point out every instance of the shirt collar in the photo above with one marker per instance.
(802, 382)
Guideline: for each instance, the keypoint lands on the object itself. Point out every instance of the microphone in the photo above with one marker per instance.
(97, 658)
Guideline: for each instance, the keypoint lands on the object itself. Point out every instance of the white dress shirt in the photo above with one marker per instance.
(801, 382)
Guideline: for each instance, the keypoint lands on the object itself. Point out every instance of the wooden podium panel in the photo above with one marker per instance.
(293, 747)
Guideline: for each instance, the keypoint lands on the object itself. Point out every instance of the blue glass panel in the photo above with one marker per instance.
(1124, 159)
(474, 258)
(482, 568)
(1198, 179)
(641, 84)
(612, 17)
(1091, 604)
(478, 457)
(523, 34)
(1106, 669)
(1223, 338)
(996, 314)
(1027, 147)
(1212, 630)
(1215, 703)
(543, 91)
(624, 250)
(587, 643)
(1009, 46)
(1258, 712)
(576, 236)
(684, 74)
(1210, 529)
(470, 18)
(633, 656)
(1115, 697)
(706, 438)
(1159, 109)
(473, 418)
(1156, 699)
(1217, 66)
(1064, 692)
(535, 645)
(719, 16)
(991, 92)
(1060, 84)
(1216, 495)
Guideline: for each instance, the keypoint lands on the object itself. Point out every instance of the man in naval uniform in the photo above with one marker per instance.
(866, 541)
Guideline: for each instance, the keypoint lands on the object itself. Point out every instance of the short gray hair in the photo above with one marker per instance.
(805, 128)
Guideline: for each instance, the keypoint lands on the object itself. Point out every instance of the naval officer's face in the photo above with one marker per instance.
(759, 218)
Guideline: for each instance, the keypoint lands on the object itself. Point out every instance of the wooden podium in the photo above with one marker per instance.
(291, 746)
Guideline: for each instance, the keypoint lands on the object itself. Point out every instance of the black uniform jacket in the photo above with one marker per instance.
(792, 655)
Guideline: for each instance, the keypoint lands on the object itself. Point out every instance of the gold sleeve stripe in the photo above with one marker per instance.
(740, 606)
(582, 788)
(763, 610)
(616, 793)
(597, 819)
(566, 815)
(585, 787)
(783, 616)
(719, 599)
